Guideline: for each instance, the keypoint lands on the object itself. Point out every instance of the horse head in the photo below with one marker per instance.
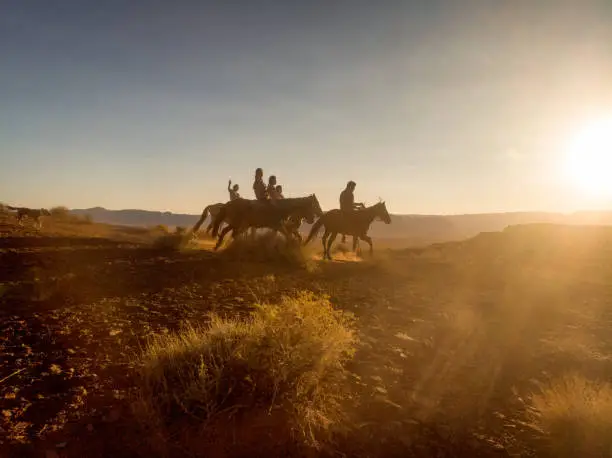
(313, 209)
(316, 207)
(382, 213)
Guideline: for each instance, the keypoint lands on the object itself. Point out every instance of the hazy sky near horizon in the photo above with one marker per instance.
(435, 106)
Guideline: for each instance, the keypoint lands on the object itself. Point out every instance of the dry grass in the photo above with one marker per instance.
(63, 214)
(174, 241)
(576, 416)
(287, 359)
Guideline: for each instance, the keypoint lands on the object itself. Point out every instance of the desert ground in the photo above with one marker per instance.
(498, 345)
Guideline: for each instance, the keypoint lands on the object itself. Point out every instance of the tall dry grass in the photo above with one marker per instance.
(575, 414)
(285, 359)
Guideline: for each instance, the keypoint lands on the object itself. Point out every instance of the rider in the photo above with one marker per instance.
(233, 191)
(271, 190)
(347, 202)
(279, 192)
(259, 187)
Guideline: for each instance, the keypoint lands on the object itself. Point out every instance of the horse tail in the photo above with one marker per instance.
(315, 230)
(202, 218)
(218, 220)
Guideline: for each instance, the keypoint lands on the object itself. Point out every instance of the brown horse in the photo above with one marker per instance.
(211, 210)
(355, 223)
(241, 214)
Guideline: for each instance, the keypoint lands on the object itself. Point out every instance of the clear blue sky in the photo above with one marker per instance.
(436, 106)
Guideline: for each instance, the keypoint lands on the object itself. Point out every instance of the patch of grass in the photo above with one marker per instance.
(174, 241)
(62, 214)
(286, 360)
(576, 416)
(161, 228)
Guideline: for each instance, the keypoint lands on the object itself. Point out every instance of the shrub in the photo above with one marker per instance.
(287, 359)
(161, 228)
(576, 416)
(60, 212)
(174, 241)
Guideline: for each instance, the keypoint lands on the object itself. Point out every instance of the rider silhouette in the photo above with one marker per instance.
(271, 190)
(279, 192)
(347, 202)
(259, 187)
(233, 191)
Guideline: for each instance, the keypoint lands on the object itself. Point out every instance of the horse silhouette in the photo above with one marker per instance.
(356, 223)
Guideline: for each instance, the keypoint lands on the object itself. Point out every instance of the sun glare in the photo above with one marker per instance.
(589, 158)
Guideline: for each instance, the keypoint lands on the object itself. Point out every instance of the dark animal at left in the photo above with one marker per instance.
(32, 213)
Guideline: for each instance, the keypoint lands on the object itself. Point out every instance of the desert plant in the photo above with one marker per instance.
(178, 240)
(60, 212)
(161, 228)
(575, 414)
(287, 359)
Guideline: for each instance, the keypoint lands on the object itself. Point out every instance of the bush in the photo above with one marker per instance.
(174, 241)
(63, 214)
(576, 416)
(60, 212)
(161, 228)
(287, 359)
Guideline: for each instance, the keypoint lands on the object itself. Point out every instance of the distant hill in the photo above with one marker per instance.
(137, 217)
(428, 228)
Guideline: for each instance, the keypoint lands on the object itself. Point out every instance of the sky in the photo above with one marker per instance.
(437, 107)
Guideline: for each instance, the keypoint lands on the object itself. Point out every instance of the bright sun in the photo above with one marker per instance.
(589, 158)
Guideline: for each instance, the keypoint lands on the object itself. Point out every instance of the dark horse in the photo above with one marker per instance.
(355, 223)
(241, 214)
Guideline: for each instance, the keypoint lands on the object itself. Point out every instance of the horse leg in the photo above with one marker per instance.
(330, 242)
(324, 242)
(222, 235)
(369, 240)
